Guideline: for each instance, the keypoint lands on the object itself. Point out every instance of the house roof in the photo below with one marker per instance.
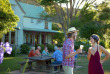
(41, 30)
(31, 10)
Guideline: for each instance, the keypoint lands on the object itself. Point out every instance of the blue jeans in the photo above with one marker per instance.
(57, 62)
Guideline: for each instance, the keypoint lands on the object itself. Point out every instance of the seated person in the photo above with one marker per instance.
(37, 52)
(57, 55)
(32, 52)
(45, 52)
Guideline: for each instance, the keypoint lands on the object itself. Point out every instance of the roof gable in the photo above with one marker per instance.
(31, 10)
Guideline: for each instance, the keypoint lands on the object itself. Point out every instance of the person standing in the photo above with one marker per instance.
(68, 51)
(94, 55)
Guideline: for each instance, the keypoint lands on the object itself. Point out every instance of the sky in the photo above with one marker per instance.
(97, 1)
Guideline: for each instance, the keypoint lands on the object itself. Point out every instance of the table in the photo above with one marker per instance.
(42, 62)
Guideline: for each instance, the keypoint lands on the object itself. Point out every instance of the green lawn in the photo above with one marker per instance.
(82, 61)
(12, 63)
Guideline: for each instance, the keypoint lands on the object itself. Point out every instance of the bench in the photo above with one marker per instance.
(55, 65)
(22, 64)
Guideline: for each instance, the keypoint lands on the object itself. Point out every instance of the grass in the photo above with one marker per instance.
(82, 61)
(12, 63)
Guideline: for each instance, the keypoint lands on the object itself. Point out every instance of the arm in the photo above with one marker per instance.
(105, 52)
(37, 53)
(89, 54)
(53, 56)
(43, 52)
(73, 54)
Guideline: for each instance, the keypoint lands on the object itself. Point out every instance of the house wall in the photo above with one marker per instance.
(27, 23)
(18, 33)
(49, 38)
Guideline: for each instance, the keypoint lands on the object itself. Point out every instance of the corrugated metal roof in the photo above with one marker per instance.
(31, 10)
(41, 30)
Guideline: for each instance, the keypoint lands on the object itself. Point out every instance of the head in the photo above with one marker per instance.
(32, 48)
(55, 48)
(45, 48)
(72, 33)
(39, 48)
(94, 39)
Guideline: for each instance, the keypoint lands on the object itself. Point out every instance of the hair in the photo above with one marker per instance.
(33, 48)
(55, 48)
(45, 47)
(39, 47)
(70, 35)
(96, 38)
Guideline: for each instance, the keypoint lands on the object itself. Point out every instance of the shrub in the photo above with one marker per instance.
(50, 47)
(24, 48)
(86, 45)
(102, 43)
(59, 45)
(77, 44)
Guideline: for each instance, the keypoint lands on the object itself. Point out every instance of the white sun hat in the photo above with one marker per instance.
(72, 29)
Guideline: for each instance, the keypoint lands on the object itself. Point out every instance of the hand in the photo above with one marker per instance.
(101, 61)
(79, 50)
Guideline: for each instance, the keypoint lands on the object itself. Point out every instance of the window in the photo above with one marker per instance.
(12, 37)
(46, 25)
(26, 38)
(7, 37)
(31, 38)
(32, 20)
(36, 38)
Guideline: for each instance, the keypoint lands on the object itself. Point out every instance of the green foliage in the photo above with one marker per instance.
(85, 43)
(105, 14)
(59, 37)
(50, 47)
(87, 14)
(7, 18)
(102, 43)
(24, 48)
(59, 45)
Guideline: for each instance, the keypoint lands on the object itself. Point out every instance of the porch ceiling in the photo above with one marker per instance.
(41, 30)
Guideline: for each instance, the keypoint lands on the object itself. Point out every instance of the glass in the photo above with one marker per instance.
(81, 46)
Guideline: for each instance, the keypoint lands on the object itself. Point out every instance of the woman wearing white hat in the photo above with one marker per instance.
(68, 51)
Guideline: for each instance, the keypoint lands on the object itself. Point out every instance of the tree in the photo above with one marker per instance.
(7, 18)
(61, 15)
(93, 20)
(104, 17)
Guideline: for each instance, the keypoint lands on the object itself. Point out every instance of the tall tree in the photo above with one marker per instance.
(61, 15)
(8, 19)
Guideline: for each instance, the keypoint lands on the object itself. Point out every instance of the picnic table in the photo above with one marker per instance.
(42, 62)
